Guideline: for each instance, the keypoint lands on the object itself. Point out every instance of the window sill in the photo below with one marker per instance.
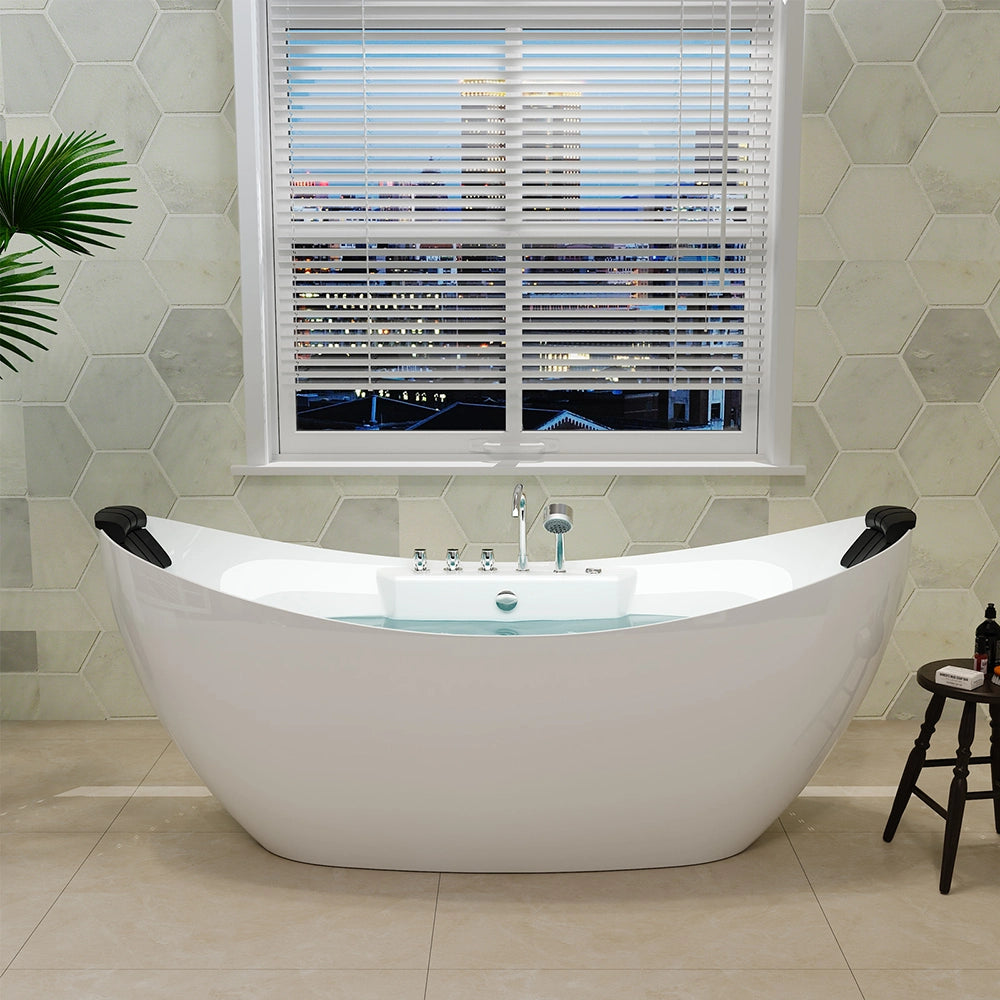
(409, 467)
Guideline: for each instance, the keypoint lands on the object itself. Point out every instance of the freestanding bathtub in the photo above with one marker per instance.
(634, 712)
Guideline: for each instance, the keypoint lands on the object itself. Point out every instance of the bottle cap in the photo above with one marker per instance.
(991, 611)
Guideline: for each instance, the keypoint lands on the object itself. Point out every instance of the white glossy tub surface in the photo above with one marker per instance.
(351, 744)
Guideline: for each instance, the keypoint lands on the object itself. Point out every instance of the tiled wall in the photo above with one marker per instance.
(139, 399)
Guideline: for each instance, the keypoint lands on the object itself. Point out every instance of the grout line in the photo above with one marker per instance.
(430, 945)
(826, 919)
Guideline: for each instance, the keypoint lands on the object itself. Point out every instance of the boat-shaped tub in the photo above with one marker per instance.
(634, 712)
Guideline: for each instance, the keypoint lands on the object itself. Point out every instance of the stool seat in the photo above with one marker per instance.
(988, 694)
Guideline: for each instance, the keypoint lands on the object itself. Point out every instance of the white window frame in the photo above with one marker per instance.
(762, 447)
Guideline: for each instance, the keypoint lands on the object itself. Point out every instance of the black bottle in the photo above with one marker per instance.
(984, 657)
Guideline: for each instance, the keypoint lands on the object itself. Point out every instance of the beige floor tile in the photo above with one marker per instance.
(529, 984)
(172, 768)
(752, 911)
(34, 773)
(939, 984)
(866, 755)
(159, 984)
(848, 814)
(883, 903)
(219, 901)
(22, 912)
(173, 814)
(34, 870)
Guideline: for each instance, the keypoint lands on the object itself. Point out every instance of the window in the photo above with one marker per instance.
(482, 236)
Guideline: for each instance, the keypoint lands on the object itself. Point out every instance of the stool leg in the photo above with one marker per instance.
(956, 797)
(914, 764)
(995, 761)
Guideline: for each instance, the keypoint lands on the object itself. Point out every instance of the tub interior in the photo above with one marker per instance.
(561, 626)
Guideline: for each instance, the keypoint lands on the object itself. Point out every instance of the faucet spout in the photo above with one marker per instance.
(520, 506)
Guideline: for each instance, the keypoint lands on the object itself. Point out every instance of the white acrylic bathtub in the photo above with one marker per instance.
(344, 743)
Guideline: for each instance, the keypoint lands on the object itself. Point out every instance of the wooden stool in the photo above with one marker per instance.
(989, 695)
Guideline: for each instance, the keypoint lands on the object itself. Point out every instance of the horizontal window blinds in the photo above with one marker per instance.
(530, 194)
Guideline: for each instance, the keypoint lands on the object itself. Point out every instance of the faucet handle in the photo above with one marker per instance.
(420, 560)
(487, 563)
(452, 563)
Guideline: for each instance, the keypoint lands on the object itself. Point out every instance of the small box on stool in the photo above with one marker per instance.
(959, 677)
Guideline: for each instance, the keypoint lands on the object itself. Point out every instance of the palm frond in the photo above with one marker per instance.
(55, 191)
(22, 284)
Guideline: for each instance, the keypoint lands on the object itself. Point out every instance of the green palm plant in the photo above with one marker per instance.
(57, 193)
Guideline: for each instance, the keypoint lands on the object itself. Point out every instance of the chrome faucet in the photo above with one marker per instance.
(520, 506)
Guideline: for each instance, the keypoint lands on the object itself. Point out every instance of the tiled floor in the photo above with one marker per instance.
(109, 894)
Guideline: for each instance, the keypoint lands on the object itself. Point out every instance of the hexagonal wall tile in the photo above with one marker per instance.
(816, 355)
(102, 30)
(659, 508)
(872, 306)
(952, 544)
(116, 305)
(35, 64)
(196, 259)
(958, 259)
(890, 677)
(64, 651)
(877, 213)
(15, 542)
(482, 506)
(188, 61)
(365, 524)
(62, 542)
(289, 508)
(956, 164)
(827, 62)
(123, 477)
(950, 449)
(812, 447)
(954, 355)
(61, 697)
(882, 113)
(987, 585)
(223, 513)
(791, 514)
(823, 164)
(959, 61)
(869, 403)
(860, 480)
(886, 31)
(197, 447)
(50, 378)
(111, 99)
(191, 161)
(729, 519)
(199, 354)
(426, 522)
(819, 258)
(989, 497)
(936, 624)
(120, 403)
(110, 673)
(144, 220)
(55, 451)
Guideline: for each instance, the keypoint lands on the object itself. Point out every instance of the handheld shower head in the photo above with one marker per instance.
(558, 520)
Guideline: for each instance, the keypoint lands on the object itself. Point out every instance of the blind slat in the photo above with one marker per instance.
(471, 194)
